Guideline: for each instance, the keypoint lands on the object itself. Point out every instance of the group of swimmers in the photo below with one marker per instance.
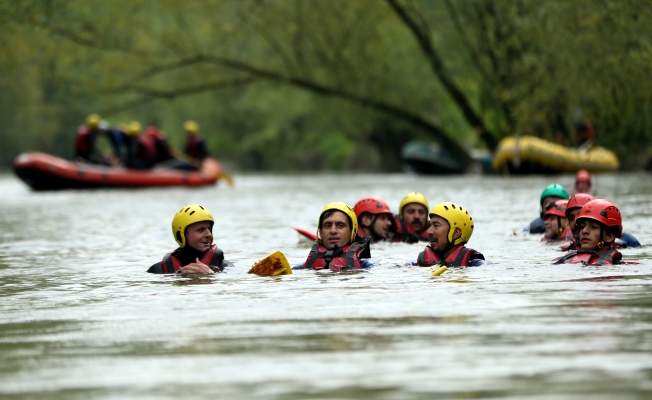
(137, 149)
(590, 229)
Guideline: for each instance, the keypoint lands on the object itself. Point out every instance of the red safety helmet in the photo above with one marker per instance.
(558, 208)
(578, 201)
(583, 176)
(603, 211)
(372, 205)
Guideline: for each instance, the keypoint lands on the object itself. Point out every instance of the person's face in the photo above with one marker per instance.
(382, 224)
(335, 230)
(438, 233)
(589, 234)
(549, 199)
(582, 187)
(199, 235)
(551, 225)
(572, 215)
(415, 215)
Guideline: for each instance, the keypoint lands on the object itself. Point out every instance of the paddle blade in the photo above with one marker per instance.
(273, 265)
(439, 271)
(305, 233)
(228, 178)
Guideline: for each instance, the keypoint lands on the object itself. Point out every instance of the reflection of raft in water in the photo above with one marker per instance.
(531, 155)
(45, 172)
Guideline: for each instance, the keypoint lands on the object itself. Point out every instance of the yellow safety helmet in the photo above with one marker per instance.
(456, 217)
(346, 209)
(93, 120)
(414, 197)
(187, 216)
(134, 128)
(191, 126)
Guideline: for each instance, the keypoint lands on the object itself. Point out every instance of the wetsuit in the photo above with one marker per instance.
(172, 262)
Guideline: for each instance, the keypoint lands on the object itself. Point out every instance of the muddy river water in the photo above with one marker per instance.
(80, 318)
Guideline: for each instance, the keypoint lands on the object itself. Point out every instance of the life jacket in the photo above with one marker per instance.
(607, 255)
(347, 257)
(213, 258)
(84, 141)
(195, 147)
(405, 233)
(572, 245)
(459, 257)
(147, 148)
(566, 234)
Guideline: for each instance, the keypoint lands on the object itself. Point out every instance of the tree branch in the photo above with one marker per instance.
(423, 38)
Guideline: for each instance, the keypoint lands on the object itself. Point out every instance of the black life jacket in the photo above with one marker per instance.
(459, 257)
(347, 257)
(213, 258)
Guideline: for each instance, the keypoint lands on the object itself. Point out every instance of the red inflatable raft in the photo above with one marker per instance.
(45, 172)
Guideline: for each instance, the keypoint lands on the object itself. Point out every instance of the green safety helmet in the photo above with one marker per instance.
(556, 190)
(456, 217)
(347, 210)
(188, 216)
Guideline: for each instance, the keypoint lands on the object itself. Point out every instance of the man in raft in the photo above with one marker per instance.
(373, 217)
(551, 193)
(556, 223)
(411, 223)
(451, 227)
(192, 228)
(600, 223)
(338, 245)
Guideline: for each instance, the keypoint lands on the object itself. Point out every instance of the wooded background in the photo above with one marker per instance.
(328, 84)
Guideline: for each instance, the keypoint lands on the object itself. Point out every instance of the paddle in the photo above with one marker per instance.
(305, 233)
(439, 271)
(185, 158)
(273, 265)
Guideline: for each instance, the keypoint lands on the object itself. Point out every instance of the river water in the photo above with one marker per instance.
(80, 318)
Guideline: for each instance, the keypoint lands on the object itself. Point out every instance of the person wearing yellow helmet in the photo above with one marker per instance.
(451, 227)
(192, 228)
(338, 245)
(86, 140)
(411, 223)
(195, 143)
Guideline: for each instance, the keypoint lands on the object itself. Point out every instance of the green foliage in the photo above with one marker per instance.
(326, 84)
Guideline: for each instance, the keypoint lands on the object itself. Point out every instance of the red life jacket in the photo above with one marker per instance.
(405, 233)
(83, 140)
(347, 257)
(565, 235)
(147, 150)
(193, 149)
(213, 258)
(459, 257)
(572, 245)
(607, 255)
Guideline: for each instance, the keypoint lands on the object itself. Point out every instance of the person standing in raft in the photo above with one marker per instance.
(411, 223)
(338, 245)
(450, 229)
(573, 208)
(192, 228)
(600, 223)
(373, 217)
(556, 223)
(195, 144)
(551, 193)
(86, 140)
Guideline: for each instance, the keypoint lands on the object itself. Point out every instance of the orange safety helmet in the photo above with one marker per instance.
(558, 208)
(603, 211)
(583, 176)
(578, 201)
(372, 205)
